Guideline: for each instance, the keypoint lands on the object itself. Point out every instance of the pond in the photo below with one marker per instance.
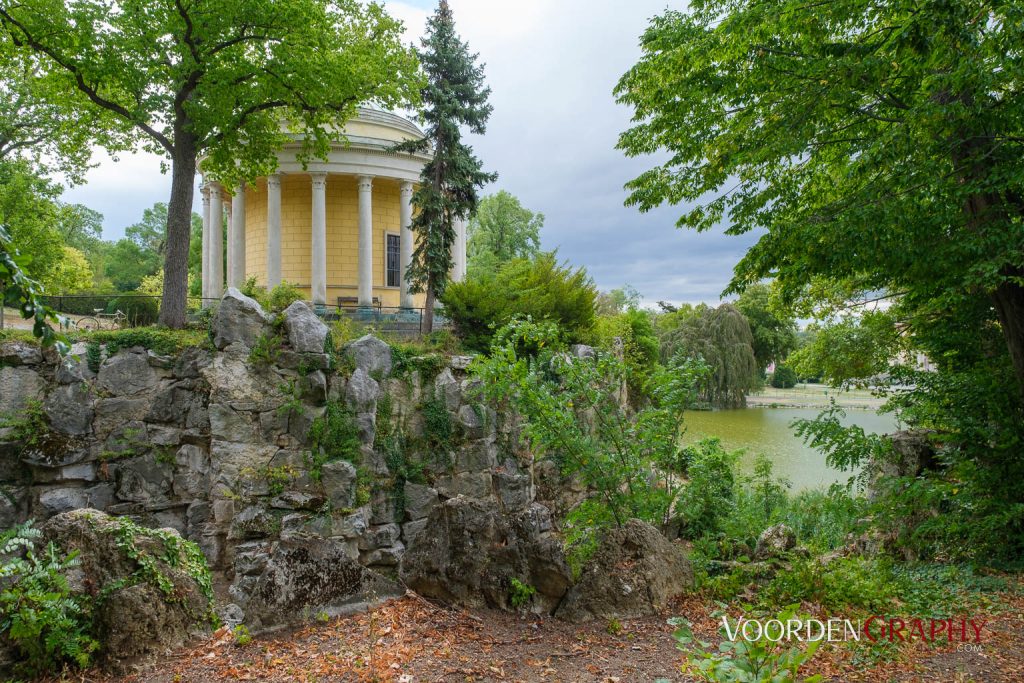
(767, 431)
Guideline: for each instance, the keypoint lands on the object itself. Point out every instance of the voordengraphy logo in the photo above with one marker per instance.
(872, 629)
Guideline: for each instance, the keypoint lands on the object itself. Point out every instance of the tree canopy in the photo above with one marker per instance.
(226, 80)
(774, 333)
(502, 230)
(878, 146)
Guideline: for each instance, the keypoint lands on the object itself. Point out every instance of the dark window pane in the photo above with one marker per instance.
(394, 246)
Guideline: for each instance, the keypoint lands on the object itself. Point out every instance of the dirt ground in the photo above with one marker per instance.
(413, 640)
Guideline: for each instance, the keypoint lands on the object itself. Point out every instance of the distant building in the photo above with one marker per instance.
(338, 229)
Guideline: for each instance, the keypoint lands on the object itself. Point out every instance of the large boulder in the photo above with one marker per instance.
(774, 541)
(126, 374)
(239, 319)
(635, 571)
(18, 386)
(307, 333)
(289, 581)
(371, 355)
(469, 552)
(155, 601)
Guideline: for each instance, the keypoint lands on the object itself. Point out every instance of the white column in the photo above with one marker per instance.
(405, 254)
(236, 239)
(365, 241)
(216, 242)
(273, 231)
(459, 251)
(207, 232)
(318, 270)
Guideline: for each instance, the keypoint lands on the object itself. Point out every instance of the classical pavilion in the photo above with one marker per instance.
(337, 229)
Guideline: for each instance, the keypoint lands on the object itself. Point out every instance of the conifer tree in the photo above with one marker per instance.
(455, 96)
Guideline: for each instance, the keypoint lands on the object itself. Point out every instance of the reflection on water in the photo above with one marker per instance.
(768, 431)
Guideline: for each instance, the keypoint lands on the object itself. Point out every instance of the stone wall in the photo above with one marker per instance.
(216, 443)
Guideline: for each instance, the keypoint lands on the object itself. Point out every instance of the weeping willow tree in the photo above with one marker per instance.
(722, 338)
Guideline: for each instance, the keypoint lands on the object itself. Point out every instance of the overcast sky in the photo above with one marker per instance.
(552, 65)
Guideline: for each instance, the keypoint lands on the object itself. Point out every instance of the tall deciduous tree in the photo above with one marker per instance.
(502, 230)
(774, 332)
(454, 96)
(223, 79)
(877, 144)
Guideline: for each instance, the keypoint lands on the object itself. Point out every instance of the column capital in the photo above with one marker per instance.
(274, 180)
(406, 189)
(365, 183)
(319, 180)
(204, 190)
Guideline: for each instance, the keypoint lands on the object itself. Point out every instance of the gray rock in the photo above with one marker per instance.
(297, 500)
(182, 403)
(634, 572)
(145, 480)
(384, 557)
(18, 386)
(73, 367)
(471, 484)
(255, 521)
(351, 525)
(16, 352)
(419, 500)
(69, 409)
(112, 413)
(371, 355)
(468, 553)
(514, 490)
(362, 392)
(473, 420)
(774, 541)
(191, 473)
(339, 480)
(239, 319)
(583, 351)
(303, 577)
(56, 501)
(478, 456)
(307, 333)
(126, 374)
(14, 502)
(412, 530)
(460, 363)
(136, 619)
(446, 388)
(228, 424)
(313, 387)
(382, 536)
(231, 615)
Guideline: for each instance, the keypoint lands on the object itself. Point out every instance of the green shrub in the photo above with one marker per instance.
(784, 377)
(140, 310)
(755, 661)
(255, 291)
(48, 626)
(162, 341)
(333, 436)
(519, 593)
(539, 288)
(282, 296)
(708, 496)
(640, 346)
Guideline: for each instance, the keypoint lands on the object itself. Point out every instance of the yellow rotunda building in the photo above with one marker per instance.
(338, 229)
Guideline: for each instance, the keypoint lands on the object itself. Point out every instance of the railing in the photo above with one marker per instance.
(391, 319)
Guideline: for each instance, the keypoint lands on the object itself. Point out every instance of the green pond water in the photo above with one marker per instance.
(766, 430)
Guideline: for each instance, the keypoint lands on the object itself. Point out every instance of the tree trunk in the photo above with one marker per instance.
(1009, 304)
(428, 311)
(174, 305)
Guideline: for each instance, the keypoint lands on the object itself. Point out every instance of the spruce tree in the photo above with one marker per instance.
(455, 96)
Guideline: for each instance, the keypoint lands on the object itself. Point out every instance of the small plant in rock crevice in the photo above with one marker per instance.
(519, 593)
(333, 436)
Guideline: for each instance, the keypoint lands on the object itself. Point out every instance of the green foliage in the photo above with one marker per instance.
(266, 350)
(140, 310)
(93, 355)
(519, 593)
(105, 60)
(282, 296)
(19, 287)
(454, 97)
(29, 427)
(572, 414)
(539, 288)
(128, 264)
(850, 350)
(333, 436)
(721, 338)
(241, 635)
(625, 298)
(774, 332)
(161, 341)
(784, 377)
(634, 330)
(501, 230)
(438, 427)
(745, 661)
(48, 626)
(708, 495)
